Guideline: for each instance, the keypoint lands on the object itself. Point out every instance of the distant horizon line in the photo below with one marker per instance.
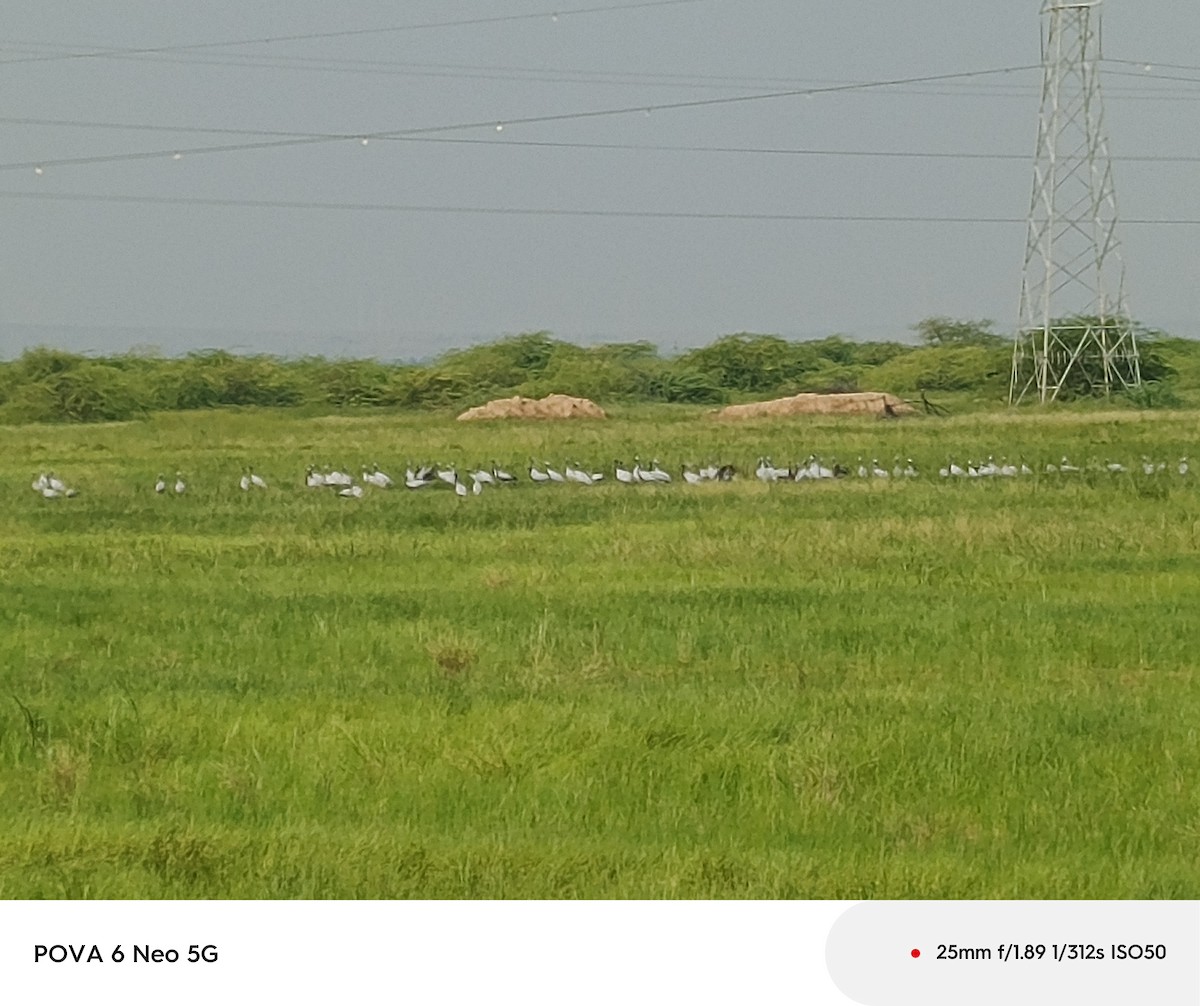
(449, 341)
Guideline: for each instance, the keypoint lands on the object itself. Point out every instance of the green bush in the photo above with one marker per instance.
(85, 393)
(1154, 395)
(685, 385)
(945, 368)
(31, 403)
(428, 388)
(830, 377)
(744, 362)
(49, 385)
(350, 382)
(509, 362)
(43, 362)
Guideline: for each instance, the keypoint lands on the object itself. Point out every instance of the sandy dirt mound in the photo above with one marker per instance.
(869, 403)
(550, 407)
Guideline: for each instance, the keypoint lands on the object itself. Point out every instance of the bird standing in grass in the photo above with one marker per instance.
(180, 484)
(500, 475)
(419, 479)
(160, 486)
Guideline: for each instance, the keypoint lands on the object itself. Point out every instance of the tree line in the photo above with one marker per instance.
(950, 356)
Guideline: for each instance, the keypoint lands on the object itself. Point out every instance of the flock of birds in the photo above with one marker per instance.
(346, 485)
(52, 487)
(813, 468)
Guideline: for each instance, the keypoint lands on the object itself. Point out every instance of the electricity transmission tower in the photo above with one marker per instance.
(1075, 333)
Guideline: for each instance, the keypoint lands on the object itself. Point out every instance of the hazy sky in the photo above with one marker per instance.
(96, 274)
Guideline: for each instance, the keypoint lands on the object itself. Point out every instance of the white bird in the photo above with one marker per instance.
(639, 472)
(256, 480)
(448, 475)
(554, 476)
(536, 474)
(56, 483)
(180, 485)
(313, 479)
(161, 485)
(1008, 470)
(623, 474)
(862, 469)
(352, 492)
(244, 482)
(482, 475)
(459, 489)
(690, 477)
(416, 481)
(710, 473)
(1147, 466)
(765, 470)
(657, 474)
(910, 470)
(957, 470)
(337, 478)
(877, 471)
(897, 471)
(40, 483)
(1115, 467)
(476, 486)
(576, 474)
(1183, 468)
(377, 478)
(500, 475)
(1025, 469)
(1066, 466)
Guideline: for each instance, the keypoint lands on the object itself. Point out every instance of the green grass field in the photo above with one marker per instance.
(936, 689)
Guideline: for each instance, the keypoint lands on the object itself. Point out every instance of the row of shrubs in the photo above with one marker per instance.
(49, 385)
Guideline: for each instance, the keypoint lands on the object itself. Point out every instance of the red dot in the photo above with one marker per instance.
(916, 953)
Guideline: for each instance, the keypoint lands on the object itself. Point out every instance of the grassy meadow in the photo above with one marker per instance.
(864, 689)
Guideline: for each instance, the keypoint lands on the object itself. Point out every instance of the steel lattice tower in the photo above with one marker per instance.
(1075, 329)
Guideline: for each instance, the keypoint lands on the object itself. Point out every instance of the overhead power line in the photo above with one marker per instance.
(1149, 65)
(308, 140)
(100, 53)
(967, 155)
(301, 204)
